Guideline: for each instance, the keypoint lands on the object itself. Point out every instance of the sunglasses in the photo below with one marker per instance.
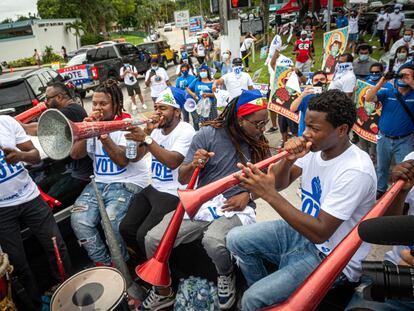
(259, 125)
(375, 72)
(47, 98)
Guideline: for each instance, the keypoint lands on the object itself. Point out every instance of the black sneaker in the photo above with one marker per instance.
(271, 130)
(156, 302)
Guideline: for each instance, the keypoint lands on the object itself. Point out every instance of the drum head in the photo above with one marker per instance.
(100, 288)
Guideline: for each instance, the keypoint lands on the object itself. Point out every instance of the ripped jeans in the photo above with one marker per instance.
(85, 217)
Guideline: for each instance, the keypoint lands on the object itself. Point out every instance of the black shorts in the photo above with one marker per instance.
(284, 123)
(131, 89)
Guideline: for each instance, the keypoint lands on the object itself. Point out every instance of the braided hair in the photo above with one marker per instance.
(110, 87)
(260, 149)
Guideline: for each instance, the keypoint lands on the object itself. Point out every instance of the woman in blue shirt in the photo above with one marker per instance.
(201, 87)
(184, 80)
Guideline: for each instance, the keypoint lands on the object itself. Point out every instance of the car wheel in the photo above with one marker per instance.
(78, 99)
(165, 63)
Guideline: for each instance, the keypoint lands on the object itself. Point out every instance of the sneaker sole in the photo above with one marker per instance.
(167, 304)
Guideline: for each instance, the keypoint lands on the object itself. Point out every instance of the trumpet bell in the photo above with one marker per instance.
(55, 134)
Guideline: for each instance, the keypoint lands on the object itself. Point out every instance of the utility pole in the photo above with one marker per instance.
(329, 8)
(201, 8)
(230, 28)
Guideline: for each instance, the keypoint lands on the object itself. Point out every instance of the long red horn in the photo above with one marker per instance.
(314, 288)
(193, 199)
(57, 133)
(155, 270)
(59, 261)
(31, 113)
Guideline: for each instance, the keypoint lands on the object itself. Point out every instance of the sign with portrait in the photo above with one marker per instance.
(368, 114)
(334, 44)
(282, 96)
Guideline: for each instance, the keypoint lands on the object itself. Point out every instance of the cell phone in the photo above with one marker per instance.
(317, 89)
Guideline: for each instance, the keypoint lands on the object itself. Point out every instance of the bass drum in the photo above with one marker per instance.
(99, 288)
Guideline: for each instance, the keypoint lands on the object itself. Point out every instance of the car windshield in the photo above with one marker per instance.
(152, 48)
(77, 60)
(14, 92)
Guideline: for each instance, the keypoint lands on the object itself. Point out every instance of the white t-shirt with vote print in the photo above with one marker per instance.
(165, 179)
(106, 171)
(16, 186)
(343, 187)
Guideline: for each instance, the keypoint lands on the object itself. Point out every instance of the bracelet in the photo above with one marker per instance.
(251, 196)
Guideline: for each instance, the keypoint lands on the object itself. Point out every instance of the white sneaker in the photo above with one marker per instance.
(144, 106)
(226, 288)
(156, 302)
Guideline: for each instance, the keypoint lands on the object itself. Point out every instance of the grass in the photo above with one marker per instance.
(129, 38)
(264, 77)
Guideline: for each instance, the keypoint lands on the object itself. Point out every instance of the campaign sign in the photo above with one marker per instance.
(368, 114)
(281, 96)
(196, 24)
(78, 74)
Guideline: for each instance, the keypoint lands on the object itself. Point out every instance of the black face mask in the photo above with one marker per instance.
(320, 84)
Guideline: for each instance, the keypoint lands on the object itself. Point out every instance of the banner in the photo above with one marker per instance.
(334, 44)
(263, 88)
(368, 114)
(281, 96)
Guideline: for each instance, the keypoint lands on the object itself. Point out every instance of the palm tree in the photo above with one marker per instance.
(78, 29)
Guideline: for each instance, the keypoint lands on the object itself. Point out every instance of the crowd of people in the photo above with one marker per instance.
(341, 175)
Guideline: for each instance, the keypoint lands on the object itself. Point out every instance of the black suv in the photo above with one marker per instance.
(109, 58)
(22, 90)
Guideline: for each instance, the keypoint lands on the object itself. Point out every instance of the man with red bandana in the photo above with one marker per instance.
(236, 136)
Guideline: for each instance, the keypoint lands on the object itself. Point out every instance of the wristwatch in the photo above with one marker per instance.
(148, 140)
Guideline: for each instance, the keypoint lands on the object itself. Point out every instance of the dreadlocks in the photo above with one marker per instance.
(110, 87)
(228, 119)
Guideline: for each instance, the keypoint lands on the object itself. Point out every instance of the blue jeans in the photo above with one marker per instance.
(277, 242)
(85, 217)
(386, 149)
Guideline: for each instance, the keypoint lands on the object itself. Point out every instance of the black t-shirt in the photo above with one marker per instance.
(82, 168)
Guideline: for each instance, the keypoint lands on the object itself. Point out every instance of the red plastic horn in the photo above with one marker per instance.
(193, 199)
(31, 113)
(59, 261)
(57, 133)
(314, 288)
(155, 270)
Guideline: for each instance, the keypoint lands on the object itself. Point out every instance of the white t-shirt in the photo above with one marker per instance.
(394, 254)
(395, 20)
(343, 187)
(16, 186)
(106, 171)
(129, 78)
(382, 19)
(344, 83)
(201, 49)
(165, 179)
(247, 43)
(401, 42)
(157, 86)
(235, 85)
(353, 25)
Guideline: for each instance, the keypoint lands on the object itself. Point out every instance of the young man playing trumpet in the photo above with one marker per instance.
(118, 179)
(338, 189)
(236, 136)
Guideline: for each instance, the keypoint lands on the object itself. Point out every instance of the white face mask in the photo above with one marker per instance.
(407, 38)
(225, 56)
(203, 74)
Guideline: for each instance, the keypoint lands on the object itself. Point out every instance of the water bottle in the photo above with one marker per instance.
(131, 149)
(201, 301)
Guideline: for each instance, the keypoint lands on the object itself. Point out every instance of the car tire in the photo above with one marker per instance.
(175, 59)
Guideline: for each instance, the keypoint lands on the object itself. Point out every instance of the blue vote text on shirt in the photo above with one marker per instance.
(105, 166)
(8, 171)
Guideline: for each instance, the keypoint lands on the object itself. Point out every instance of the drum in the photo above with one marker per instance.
(99, 288)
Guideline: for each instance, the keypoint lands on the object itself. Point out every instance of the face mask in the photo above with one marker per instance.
(126, 65)
(237, 71)
(407, 38)
(320, 84)
(184, 73)
(401, 55)
(154, 67)
(396, 11)
(382, 12)
(203, 74)
(304, 37)
(335, 50)
(375, 76)
(401, 83)
(225, 56)
(363, 57)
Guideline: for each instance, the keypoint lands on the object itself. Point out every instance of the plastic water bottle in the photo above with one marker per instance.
(201, 301)
(131, 149)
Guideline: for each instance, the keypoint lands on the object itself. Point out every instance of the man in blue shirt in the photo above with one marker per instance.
(396, 125)
(182, 82)
(341, 20)
(301, 103)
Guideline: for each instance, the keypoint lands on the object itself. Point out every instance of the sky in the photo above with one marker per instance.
(12, 8)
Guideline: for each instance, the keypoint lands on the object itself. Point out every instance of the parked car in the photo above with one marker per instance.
(108, 59)
(22, 90)
(81, 50)
(84, 76)
(210, 31)
(167, 27)
(189, 46)
(161, 50)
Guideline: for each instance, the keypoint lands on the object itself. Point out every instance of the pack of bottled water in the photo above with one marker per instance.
(196, 294)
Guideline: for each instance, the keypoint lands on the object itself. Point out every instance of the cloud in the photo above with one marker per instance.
(13, 8)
